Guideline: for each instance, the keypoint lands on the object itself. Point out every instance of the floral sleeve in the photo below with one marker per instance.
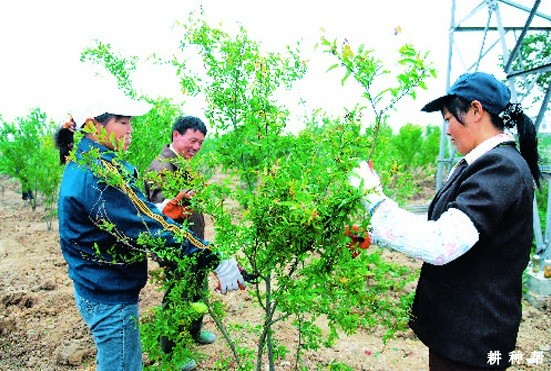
(436, 242)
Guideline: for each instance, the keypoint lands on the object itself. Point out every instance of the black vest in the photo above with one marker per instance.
(471, 306)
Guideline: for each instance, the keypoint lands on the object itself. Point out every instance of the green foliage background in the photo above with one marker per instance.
(28, 154)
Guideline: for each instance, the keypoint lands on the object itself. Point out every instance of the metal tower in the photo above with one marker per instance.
(486, 35)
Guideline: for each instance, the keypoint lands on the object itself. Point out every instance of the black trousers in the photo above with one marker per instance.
(195, 286)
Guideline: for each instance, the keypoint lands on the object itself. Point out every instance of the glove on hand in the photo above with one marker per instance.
(175, 210)
(363, 177)
(229, 277)
(359, 240)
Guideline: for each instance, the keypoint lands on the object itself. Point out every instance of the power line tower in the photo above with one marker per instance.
(487, 35)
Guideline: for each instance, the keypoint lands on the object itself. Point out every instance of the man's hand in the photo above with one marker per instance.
(229, 276)
(365, 178)
(174, 208)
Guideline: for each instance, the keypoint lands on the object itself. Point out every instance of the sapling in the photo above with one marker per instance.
(283, 203)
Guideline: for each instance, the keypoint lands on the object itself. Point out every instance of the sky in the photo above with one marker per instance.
(41, 42)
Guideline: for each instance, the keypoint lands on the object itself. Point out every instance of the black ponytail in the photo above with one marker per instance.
(528, 143)
(512, 116)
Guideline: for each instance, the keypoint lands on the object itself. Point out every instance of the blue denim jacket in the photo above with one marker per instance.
(106, 229)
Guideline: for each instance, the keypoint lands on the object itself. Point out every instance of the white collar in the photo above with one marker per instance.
(484, 147)
(487, 145)
(173, 150)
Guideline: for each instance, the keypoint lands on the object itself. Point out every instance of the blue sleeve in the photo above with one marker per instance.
(125, 208)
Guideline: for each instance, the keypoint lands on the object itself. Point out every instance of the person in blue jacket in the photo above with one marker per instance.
(107, 227)
(476, 242)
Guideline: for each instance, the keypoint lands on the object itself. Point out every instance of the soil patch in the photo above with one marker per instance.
(40, 328)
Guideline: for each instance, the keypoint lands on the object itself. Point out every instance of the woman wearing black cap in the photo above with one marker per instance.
(477, 239)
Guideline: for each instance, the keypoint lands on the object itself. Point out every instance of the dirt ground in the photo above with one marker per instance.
(40, 328)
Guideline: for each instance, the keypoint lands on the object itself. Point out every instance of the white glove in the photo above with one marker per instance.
(229, 276)
(364, 178)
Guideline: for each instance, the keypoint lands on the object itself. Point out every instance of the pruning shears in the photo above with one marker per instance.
(249, 277)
